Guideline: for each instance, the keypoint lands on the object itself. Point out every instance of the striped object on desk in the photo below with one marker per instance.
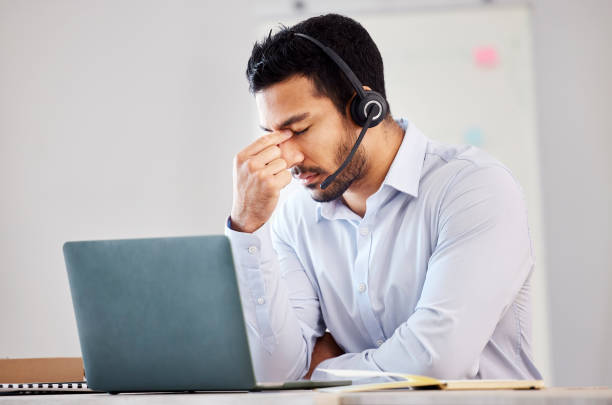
(44, 388)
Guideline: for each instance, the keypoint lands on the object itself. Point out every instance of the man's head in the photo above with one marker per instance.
(292, 78)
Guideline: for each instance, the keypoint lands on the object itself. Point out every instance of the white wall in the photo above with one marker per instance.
(117, 119)
(573, 59)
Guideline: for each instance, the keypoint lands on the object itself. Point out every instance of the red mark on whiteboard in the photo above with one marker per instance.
(486, 57)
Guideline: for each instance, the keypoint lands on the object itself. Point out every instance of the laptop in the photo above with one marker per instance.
(162, 314)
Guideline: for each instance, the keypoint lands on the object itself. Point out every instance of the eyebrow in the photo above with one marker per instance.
(289, 121)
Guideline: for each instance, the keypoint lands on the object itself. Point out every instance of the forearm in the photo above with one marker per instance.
(424, 345)
(280, 342)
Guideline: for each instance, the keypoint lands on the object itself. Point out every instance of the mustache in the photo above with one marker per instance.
(296, 171)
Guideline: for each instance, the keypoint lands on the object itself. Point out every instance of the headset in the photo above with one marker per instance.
(368, 107)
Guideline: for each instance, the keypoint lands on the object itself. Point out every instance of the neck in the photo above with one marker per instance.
(382, 145)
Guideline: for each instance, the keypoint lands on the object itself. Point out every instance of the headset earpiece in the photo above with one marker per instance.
(368, 107)
(371, 102)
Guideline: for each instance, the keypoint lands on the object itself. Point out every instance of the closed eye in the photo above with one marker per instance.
(300, 132)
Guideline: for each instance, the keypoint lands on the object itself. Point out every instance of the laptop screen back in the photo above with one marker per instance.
(159, 314)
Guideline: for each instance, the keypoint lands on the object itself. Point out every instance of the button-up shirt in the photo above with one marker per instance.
(433, 280)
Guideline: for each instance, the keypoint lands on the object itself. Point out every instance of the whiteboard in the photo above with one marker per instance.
(465, 75)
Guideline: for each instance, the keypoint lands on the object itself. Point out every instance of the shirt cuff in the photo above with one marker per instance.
(251, 250)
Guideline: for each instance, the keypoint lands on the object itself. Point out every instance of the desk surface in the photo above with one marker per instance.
(547, 396)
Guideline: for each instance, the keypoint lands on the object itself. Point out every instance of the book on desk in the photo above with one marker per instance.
(408, 381)
(42, 375)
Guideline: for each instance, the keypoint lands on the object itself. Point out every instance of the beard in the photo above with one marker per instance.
(352, 172)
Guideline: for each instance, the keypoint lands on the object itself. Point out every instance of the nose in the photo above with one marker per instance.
(290, 152)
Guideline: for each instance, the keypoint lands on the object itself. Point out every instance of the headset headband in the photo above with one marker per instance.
(341, 64)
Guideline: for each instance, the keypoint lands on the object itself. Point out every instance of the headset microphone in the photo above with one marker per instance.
(335, 174)
(368, 107)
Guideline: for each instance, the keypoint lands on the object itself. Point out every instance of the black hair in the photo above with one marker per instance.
(282, 55)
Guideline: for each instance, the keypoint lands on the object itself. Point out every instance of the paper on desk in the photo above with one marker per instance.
(409, 381)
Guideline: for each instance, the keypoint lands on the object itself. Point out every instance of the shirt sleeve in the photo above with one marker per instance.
(280, 305)
(482, 258)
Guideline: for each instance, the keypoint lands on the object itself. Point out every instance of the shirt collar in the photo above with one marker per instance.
(404, 174)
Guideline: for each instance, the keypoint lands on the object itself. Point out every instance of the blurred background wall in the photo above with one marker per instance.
(120, 119)
(573, 61)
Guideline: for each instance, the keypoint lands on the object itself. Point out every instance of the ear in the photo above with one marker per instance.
(348, 104)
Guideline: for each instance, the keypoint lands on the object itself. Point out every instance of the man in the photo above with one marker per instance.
(416, 258)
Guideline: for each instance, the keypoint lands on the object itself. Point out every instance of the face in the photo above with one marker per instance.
(322, 137)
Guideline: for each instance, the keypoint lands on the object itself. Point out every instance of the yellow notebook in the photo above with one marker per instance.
(408, 381)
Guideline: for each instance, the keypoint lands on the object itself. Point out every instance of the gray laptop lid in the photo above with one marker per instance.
(160, 314)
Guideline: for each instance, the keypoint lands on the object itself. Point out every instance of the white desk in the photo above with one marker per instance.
(555, 396)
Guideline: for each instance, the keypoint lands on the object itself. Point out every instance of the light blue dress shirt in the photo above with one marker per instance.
(433, 280)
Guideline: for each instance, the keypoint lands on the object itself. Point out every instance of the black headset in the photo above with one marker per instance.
(368, 107)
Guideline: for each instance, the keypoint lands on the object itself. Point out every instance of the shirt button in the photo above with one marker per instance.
(362, 287)
(252, 249)
(261, 300)
(379, 342)
(364, 230)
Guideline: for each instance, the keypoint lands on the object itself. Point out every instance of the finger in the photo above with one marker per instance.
(273, 138)
(282, 178)
(266, 156)
(274, 167)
